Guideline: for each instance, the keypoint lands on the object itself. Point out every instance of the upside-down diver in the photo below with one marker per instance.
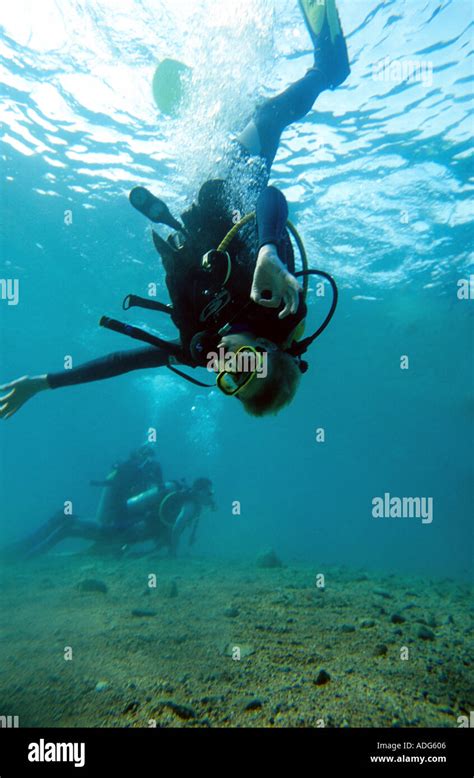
(233, 288)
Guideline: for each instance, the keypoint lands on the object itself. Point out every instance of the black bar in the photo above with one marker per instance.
(134, 752)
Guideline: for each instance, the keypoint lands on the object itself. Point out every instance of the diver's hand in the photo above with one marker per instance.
(17, 393)
(271, 275)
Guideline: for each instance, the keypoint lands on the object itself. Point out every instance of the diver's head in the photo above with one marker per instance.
(272, 382)
(203, 492)
(143, 454)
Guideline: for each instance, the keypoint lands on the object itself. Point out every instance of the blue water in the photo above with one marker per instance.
(378, 181)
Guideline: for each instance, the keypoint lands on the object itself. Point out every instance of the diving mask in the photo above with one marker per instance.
(232, 381)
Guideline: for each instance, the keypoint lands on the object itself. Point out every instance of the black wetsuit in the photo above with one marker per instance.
(260, 139)
(131, 478)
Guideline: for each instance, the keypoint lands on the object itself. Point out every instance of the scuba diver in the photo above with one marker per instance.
(168, 513)
(234, 289)
(160, 515)
(138, 473)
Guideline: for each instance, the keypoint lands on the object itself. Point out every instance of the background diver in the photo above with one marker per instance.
(137, 474)
(159, 515)
(230, 289)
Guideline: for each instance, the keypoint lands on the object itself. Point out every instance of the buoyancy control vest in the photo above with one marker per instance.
(216, 293)
(208, 299)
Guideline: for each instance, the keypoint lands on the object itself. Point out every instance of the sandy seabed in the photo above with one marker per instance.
(87, 642)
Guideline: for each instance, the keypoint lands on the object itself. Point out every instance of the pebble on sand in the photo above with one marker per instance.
(426, 634)
(269, 559)
(231, 612)
(183, 711)
(396, 618)
(92, 585)
(171, 590)
(322, 678)
(383, 593)
(250, 703)
(143, 614)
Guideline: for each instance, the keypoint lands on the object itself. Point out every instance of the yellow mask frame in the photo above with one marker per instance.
(225, 376)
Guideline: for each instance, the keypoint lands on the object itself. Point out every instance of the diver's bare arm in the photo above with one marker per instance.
(182, 521)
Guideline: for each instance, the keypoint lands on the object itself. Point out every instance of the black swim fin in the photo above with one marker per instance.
(153, 208)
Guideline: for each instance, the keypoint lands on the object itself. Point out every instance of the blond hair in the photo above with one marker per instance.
(278, 388)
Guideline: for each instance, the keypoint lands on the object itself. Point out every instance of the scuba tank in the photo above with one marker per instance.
(144, 501)
(165, 503)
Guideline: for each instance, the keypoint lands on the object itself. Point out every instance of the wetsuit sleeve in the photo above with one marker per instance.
(107, 367)
(272, 216)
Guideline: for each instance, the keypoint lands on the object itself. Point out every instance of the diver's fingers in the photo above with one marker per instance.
(6, 396)
(256, 294)
(287, 309)
(295, 298)
(295, 284)
(10, 385)
(291, 302)
(273, 302)
(3, 410)
(11, 413)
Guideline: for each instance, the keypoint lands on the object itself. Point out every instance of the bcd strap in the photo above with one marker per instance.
(134, 301)
(138, 334)
(188, 377)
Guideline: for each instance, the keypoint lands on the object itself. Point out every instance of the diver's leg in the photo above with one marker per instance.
(70, 528)
(262, 135)
(52, 540)
(87, 530)
(35, 539)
